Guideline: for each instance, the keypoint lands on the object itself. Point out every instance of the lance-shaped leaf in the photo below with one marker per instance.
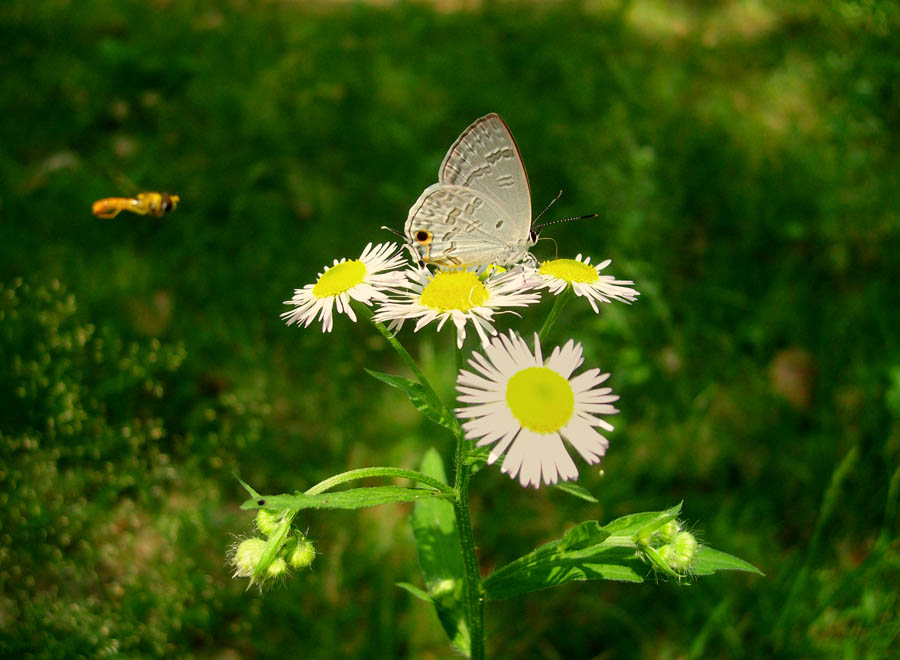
(590, 551)
(440, 556)
(642, 524)
(354, 498)
(576, 490)
(549, 566)
(708, 561)
(422, 399)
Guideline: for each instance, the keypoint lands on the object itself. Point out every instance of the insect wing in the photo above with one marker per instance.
(458, 226)
(486, 159)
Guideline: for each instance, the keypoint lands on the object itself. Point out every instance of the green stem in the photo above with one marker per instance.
(363, 310)
(365, 473)
(474, 604)
(561, 301)
(474, 593)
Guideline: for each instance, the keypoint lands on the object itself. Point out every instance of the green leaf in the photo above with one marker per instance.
(588, 551)
(476, 458)
(440, 556)
(642, 523)
(577, 491)
(708, 561)
(354, 498)
(424, 402)
(549, 566)
(583, 535)
(415, 591)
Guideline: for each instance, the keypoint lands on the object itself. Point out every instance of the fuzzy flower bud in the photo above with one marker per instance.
(668, 531)
(247, 556)
(277, 568)
(303, 554)
(679, 555)
(267, 521)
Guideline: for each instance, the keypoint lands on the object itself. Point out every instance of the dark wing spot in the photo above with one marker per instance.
(499, 224)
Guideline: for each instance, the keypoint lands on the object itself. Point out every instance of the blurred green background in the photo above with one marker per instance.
(743, 159)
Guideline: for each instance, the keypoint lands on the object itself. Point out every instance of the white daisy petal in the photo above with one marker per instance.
(530, 411)
(364, 279)
(460, 295)
(586, 281)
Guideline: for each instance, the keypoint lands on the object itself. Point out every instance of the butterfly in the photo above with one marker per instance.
(479, 211)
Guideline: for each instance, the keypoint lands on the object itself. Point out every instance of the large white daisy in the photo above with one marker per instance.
(461, 296)
(527, 408)
(364, 279)
(585, 280)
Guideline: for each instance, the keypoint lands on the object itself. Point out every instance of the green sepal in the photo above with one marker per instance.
(424, 401)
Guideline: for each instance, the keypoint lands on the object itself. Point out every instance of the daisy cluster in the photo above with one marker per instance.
(522, 406)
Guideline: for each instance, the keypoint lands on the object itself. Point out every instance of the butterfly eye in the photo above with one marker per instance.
(423, 236)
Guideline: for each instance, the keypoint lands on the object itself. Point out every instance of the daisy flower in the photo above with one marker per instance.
(526, 408)
(586, 281)
(461, 296)
(363, 279)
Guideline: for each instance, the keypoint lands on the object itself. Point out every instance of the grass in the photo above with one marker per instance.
(742, 158)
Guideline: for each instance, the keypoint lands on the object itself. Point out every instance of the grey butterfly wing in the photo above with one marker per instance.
(486, 159)
(452, 226)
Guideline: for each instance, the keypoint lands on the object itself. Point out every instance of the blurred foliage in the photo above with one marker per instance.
(743, 158)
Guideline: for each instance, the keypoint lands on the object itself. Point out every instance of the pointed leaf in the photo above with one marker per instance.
(642, 523)
(583, 535)
(588, 551)
(440, 556)
(549, 567)
(708, 561)
(424, 402)
(354, 498)
(415, 591)
(577, 491)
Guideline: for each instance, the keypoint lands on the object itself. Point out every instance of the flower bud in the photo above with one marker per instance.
(276, 568)
(668, 531)
(303, 554)
(247, 556)
(267, 521)
(446, 592)
(679, 555)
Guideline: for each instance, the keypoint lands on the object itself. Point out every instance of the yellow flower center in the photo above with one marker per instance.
(491, 270)
(540, 399)
(340, 278)
(454, 290)
(569, 270)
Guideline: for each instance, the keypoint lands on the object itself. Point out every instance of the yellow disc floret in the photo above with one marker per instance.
(540, 399)
(569, 270)
(454, 290)
(342, 277)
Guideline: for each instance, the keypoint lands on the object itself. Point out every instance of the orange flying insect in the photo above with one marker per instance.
(146, 203)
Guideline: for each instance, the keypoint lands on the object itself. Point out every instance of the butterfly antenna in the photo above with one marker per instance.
(556, 222)
(394, 231)
(546, 208)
